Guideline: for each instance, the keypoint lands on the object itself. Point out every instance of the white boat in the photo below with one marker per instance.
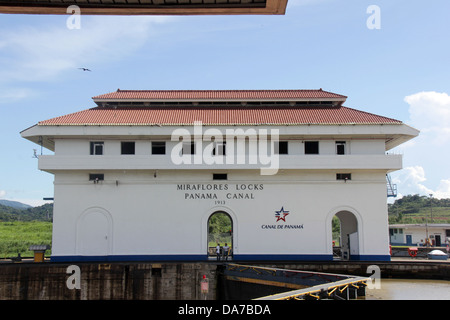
(437, 255)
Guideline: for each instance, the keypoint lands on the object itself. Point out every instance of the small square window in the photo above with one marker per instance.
(281, 147)
(128, 147)
(219, 149)
(96, 147)
(220, 176)
(188, 148)
(340, 147)
(311, 147)
(158, 147)
(344, 176)
(96, 177)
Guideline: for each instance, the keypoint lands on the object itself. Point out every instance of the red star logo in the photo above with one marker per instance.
(281, 215)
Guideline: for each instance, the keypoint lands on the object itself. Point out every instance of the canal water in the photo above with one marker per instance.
(410, 289)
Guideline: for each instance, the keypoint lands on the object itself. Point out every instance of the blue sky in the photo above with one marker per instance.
(400, 70)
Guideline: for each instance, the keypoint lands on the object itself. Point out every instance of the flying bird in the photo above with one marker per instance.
(84, 69)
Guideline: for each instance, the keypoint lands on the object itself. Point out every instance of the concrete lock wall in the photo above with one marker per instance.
(173, 281)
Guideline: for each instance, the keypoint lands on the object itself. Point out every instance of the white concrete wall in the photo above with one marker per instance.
(145, 215)
(143, 146)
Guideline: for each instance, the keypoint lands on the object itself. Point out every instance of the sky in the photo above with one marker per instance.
(391, 58)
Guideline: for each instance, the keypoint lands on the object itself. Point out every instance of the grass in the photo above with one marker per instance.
(17, 236)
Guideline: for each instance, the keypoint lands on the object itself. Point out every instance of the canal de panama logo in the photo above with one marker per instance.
(281, 214)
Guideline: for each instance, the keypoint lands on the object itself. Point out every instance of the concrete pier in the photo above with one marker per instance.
(170, 280)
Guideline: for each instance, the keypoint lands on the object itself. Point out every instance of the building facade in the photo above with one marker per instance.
(139, 176)
(438, 234)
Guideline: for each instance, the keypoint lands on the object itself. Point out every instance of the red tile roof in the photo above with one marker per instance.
(219, 116)
(219, 95)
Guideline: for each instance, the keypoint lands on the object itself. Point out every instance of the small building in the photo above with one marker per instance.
(417, 234)
(139, 176)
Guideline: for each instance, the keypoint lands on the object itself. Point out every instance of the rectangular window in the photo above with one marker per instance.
(188, 148)
(340, 147)
(343, 176)
(158, 147)
(281, 147)
(96, 148)
(220, 176)
(311, 147)
(96, 177)
(128, 147)
(219, 148)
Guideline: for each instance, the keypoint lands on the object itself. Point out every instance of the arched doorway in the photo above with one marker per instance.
(345, 235)
(220, 232)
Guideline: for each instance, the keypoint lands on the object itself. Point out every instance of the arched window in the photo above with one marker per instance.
(220, 233)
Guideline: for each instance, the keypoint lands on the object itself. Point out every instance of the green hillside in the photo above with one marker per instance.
(41, 213)
(419, 209)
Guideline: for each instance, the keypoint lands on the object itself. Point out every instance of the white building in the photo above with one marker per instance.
(438, 234)
(125, 190)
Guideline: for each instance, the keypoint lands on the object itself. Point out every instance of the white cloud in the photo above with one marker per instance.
(443, 190)
(9, 95)
(427, 171)
(430, 113)
(2, 193)
(35, 54)
(412, 181)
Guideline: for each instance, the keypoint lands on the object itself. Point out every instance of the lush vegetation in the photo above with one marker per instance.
(41, 213)
(419, 209)
(21, 228)
(17, 236)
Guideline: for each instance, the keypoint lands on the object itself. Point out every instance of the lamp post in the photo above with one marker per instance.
(431, 206)
(426, 223)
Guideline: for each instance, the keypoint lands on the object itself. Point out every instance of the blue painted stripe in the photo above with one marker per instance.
(282, 257)
(129, 258)
(370, 257)
(199, 257)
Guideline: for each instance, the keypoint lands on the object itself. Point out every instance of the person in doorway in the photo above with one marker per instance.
(226, 250)
(218, 251)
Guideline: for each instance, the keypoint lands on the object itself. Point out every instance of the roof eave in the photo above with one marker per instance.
(271, 7)
(101, 102)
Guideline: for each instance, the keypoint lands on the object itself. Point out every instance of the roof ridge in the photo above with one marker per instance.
(226, 94)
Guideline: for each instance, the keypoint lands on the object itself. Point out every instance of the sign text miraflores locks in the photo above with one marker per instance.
(221, 192)
(209, 191)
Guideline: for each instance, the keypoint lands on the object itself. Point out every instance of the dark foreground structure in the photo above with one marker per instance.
(200, 281)
(146, 7)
